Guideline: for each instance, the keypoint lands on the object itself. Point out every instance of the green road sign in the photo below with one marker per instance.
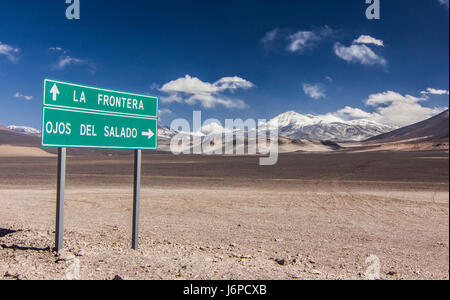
(76, 116)
(68, 95)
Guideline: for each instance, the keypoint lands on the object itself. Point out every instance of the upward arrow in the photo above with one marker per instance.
(54, 91)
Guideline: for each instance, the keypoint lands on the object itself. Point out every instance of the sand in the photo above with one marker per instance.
(312, 216)
(16, 151)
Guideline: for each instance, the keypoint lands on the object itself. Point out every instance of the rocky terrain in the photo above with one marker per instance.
(312, 216)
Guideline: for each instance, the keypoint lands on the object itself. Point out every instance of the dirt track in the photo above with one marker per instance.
(312, 216)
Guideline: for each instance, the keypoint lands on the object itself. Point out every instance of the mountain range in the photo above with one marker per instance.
(26, 130)
(11, 137)
(294, 126)
(327, 127)
(306, 133)
(434, 129)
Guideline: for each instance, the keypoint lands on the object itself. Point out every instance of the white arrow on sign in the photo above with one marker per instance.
(149, 134)
(54, 91)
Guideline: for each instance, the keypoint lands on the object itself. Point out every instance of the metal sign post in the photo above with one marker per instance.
(136, 198)
(60, 187)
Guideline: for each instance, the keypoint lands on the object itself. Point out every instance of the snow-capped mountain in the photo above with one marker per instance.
(293, 125)
(164, 131)
(25, 130)
(326, 127)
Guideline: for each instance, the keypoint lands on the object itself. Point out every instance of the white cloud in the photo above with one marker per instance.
(154, 86)
(367, 39)
(405, 114)
(329, 79)
(390, 97)
(444, 2)
(233, 83)
(350, 113)
(302, 40)
(66, 61)
(192, 90)
(172, 97)
(431, 91)
(57, 49)
(314, 91)
(9, 51)
(19, 95)
(163, 112)
(392, 108)
(269, 37)
(359, 54)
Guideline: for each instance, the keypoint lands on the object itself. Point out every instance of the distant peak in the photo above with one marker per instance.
(289, 113)
(25, 130)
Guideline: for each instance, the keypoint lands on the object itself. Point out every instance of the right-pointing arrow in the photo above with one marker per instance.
(149, 134)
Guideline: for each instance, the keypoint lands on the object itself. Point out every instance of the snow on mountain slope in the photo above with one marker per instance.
(165, 132)
(326, 127)
(294, 126)
(25, 130)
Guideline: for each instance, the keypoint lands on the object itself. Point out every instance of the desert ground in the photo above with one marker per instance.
(311, 216)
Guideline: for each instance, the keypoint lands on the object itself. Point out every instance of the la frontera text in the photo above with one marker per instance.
(112, 101)
(120, 102)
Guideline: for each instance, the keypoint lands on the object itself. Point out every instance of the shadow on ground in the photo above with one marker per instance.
(5, 232)
(24, 248)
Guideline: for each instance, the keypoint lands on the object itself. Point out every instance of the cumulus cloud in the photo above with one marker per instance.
(232, 84)
(390, 97)
(192, 90)
(367, 39)
(444, 2)
(314, 91)
(350, 113)
(392, 108)
(19, 95)
(9, 51)
(302, 40)
(359, 53)
(165, 112)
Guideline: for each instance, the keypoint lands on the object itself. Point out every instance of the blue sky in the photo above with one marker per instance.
(232, 59)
